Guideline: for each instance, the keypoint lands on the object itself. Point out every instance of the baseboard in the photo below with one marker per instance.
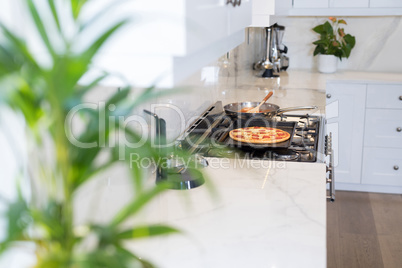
(368, 188)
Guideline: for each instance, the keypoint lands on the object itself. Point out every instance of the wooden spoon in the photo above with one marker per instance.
(257, 109)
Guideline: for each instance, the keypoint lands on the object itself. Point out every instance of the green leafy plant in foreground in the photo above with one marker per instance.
(333, 40)
(44, 95)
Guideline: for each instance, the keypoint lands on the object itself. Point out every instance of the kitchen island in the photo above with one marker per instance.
(264, 213)
(259, 214)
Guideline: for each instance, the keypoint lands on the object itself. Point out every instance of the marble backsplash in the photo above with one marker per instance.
(378, 43)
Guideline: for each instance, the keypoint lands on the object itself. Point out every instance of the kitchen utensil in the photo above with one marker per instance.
(267, 110)
(257, 109)
(274, 59)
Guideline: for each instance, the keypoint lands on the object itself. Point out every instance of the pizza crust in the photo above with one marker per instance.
(259, 135)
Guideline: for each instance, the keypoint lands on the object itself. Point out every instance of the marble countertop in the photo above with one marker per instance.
(264, 214)
(299, 78)
(315, 80)
(300, 87)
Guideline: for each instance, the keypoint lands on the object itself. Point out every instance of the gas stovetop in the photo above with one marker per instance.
(208, 137)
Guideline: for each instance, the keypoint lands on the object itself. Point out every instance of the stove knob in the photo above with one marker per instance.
(396, 167)
(329, 96)
(399, 129)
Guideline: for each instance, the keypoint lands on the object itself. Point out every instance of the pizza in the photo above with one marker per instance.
(260, 135)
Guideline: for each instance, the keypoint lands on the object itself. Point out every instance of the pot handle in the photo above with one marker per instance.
(299, 108)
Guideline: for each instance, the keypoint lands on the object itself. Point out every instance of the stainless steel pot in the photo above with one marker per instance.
(267, 110)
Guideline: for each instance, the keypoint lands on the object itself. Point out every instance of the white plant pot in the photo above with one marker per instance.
(327, 63)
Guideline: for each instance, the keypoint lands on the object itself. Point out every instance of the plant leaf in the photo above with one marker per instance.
(318, 42)
(328, 28)
(18, 50)
(351, 40)
(41, 28)
(319, 50)
(341, 21)
(18, 219)
(88, 54)
(144, 263)
(319, 29)
(52, 6)
(76, 6)
(147, 231)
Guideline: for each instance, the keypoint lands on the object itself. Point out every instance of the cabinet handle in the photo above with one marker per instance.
(233, 2)
(398, 129)
(329, 96)
(400, 97)
(396, 167)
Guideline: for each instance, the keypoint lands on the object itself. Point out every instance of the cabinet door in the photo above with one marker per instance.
(385, 3)
(382, 166)
(174, 28)
(345, 116)
(239, 17)
(348, 3)
(206, 23)
(310, 4)
(383, 128)
(384, 96)
(155, 27)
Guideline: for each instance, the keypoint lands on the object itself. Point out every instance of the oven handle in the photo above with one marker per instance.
(330, 168)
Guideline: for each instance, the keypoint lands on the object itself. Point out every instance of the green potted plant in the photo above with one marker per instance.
(334, 43)
(44, 94)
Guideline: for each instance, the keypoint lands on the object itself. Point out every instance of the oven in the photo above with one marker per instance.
(209, 137)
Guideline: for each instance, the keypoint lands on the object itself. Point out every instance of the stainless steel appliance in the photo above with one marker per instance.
(274, 59)
(208, 137)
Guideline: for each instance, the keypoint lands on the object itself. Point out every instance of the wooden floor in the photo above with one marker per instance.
(364, 230)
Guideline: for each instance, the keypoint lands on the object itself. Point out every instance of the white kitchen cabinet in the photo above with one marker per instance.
(164, 41)
(330, 3)
(384, 96)
(176, 27)
(382, 166)
(310, 4)
(263, 10)
(385, 3)
(345, 119)
(383, 128)
(239, 17)
(169, 40)
(367, 123)
(348, 3)
(345, 8)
